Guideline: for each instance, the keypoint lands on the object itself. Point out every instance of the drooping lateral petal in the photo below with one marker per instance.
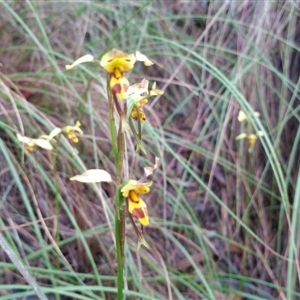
(139, 211)
(119, 87)
(83, 59)
(252, 138)
(93, 176)
(138, 114)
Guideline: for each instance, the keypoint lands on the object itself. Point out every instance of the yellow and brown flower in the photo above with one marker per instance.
(116, 63)
(32, 144)
(138, 94)
(72, 131)
(136, 206)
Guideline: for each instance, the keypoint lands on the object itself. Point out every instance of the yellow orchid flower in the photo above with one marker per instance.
(32, 144)
(119, 87)
(136, 186)
(138, 114)
(138, 210)
(138, 95)
(252, 138)
(136, 206)
(116, 63)
(72, 130)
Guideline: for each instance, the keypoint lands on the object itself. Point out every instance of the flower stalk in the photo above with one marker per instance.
(127, 102)
(118, 147)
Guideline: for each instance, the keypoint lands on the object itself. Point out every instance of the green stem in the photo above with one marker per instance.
(56, 206)
(120, 210)
(118, 148)
(120, 239)
(112, 125)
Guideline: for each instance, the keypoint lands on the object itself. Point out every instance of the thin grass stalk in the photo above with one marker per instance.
(56, 210)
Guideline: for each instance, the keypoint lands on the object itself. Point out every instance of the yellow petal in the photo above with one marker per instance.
(93, 175)
(138, 114)
(77, 129)
(70, 128)
(139, 211)
(252, 138)
(73, 137)
(116, 59)
(143, 189)
(135, 186)
(83, 59)
(119, 87)
(133, 196)
(154, 91)
(130, 185)
(30, 148)
(141, 57)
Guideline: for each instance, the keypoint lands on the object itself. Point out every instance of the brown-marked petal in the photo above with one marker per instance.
(138, 114)
(139, 211)
(119, 87)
